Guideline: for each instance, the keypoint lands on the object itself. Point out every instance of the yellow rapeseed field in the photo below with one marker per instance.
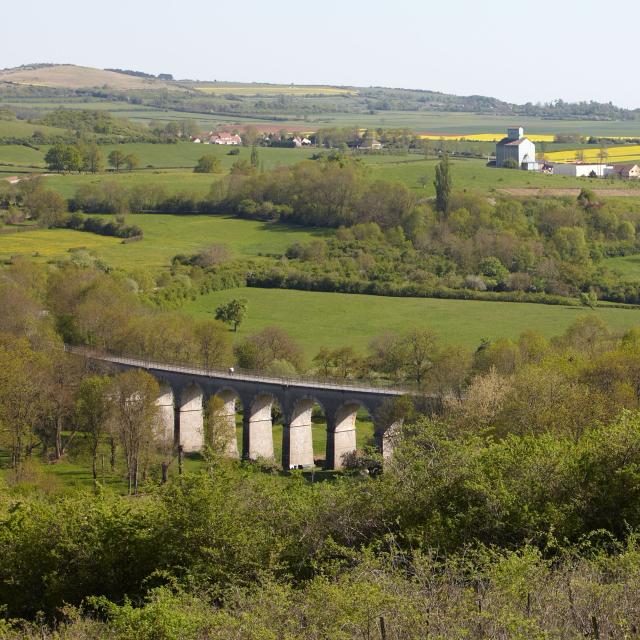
(486, 137)
(615, 155)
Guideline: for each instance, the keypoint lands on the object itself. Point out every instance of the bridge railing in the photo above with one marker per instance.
(372, 386)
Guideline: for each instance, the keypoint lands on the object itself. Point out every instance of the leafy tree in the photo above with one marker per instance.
(271, 344)
(46, 206)
(131, 161)
(589, 299)
(116, 159)
(133, 395)
(254, 157)
(22, 374)
(233, 312)
(93, 159)
(55, 158)
(443, 184)
(94, 410)
(208, 163)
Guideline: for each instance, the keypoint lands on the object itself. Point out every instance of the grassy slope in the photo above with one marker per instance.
(164, 237)
(476, 176)
(335, 319)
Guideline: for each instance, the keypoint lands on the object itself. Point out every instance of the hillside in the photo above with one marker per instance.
(70, 76)
(278, 102)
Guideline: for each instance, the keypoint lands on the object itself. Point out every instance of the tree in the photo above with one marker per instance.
(116, 159)
(233, 312)
(208, 164)
(443, 184)
(131, 161)
(55, 158)
(409, 356)
(46, 206)
(589, 299)
(93, 411)
(134, 394)
(93, 159)
(254, 157)
(22, 374)
(272, 344)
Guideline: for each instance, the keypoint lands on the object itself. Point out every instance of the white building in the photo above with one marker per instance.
(516, 149)
(581, 169)
(225, 138)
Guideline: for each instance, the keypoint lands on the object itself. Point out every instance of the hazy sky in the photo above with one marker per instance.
(511, 49)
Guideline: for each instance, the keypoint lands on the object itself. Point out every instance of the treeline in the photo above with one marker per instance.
(395, 243)
(102, 227)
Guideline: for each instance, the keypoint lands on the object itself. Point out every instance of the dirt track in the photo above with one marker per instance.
(532, 191)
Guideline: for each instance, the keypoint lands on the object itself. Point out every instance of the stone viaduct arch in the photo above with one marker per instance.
(185, 392)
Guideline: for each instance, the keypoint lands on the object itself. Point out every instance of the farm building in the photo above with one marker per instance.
(370, 144)
(581, 169)
(517, 150)
(225, 138)
(301, 142)
(625, 171)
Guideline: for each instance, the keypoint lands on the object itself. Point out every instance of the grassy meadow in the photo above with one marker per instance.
(331, 320)
(164, 237)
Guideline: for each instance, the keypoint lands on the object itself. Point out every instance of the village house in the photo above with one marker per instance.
(625, 171)
(301, 142)
(225, 138)
(370, 144)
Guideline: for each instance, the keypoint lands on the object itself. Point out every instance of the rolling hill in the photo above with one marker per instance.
(70, 76)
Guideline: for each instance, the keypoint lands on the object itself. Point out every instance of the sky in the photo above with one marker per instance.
(514, 50)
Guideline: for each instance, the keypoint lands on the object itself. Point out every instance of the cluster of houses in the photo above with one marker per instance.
(517, 151)
(273, 139)
(213, 137)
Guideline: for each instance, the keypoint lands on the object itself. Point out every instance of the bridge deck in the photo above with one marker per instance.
(296, 383)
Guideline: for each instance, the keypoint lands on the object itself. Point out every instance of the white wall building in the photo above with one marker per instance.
(515, 147)
(581, 169)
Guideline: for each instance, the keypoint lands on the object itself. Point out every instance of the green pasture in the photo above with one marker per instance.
(627, 266)
(174, 181)
(183, 155)
(186, 154)
(22, 129)
(475, 175)
(164, 237)
(337, 319)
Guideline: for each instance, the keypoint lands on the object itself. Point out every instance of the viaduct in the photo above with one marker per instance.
(185, 390)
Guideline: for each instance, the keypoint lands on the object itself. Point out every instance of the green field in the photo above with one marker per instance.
(474, 175)
(164, 237)
(183, 155)
(338, 319)
(21, 129)
(627, 266)
(436, 122)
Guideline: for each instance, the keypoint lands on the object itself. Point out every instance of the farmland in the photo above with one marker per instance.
(335, 319)
(171, 165)
(593, 153)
